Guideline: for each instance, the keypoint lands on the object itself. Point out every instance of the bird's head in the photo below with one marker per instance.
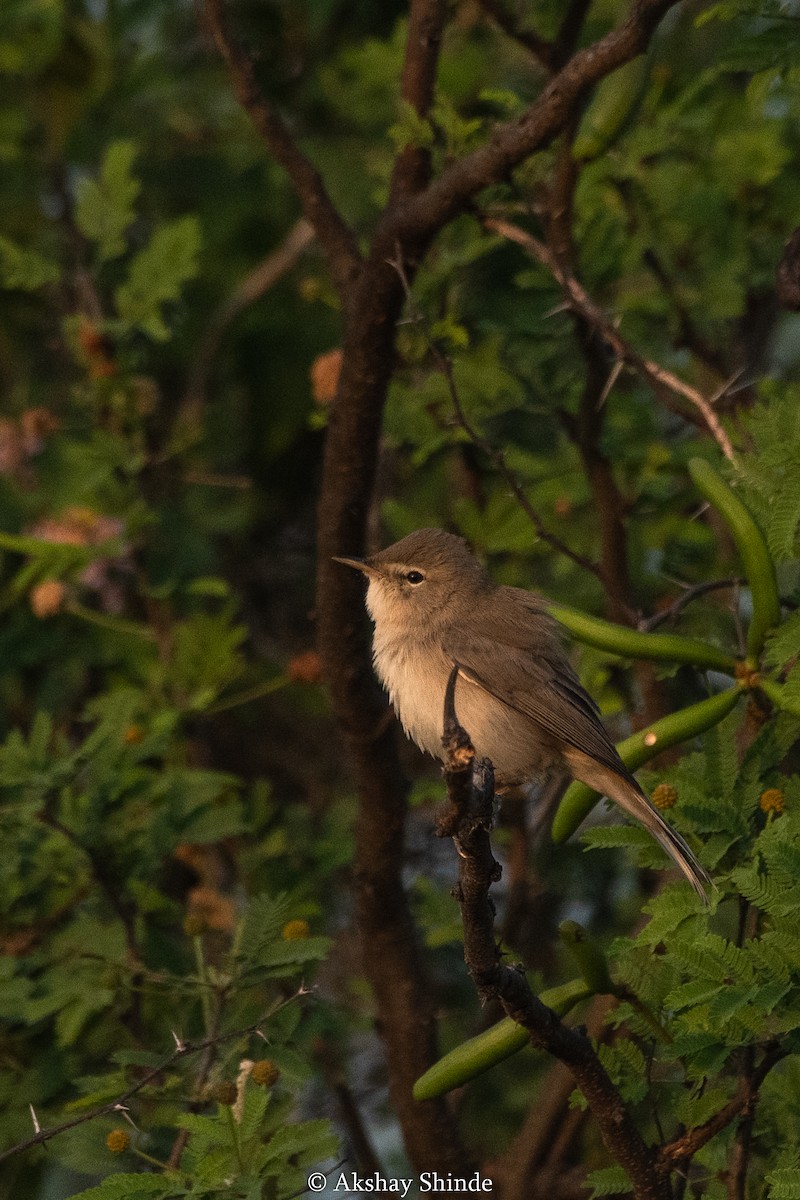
(419, 582)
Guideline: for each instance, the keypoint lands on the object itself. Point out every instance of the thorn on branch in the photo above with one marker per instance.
(664, 383)
(445, 367)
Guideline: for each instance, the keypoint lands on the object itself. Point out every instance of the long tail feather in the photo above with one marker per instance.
(625, 791)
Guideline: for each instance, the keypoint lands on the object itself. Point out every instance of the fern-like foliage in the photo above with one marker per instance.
(771, 476)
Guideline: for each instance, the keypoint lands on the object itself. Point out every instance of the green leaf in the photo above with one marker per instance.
(25, 270)
(784, 1183)
(104, 207)
(157, 275)
(608, 1181)
(130, 1186)
(411, 129)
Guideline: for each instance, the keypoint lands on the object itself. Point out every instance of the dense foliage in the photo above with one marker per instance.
(181, 959)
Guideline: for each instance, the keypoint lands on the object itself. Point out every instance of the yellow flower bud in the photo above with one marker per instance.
(772, 801)
(295, 931)
(665, 796)
(265, 1072)
(118, 1141)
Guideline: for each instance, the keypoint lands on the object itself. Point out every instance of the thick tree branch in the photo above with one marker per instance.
(405, 999)
(333, 233)
(660, 380)
(513, 141)
(426, 18)
(468, 819)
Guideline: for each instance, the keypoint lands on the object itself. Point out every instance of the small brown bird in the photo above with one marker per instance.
(523, 706)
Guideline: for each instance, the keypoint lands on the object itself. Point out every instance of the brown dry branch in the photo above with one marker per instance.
(426, 20)
(511, 142)
(535, 1160)
(662, 381)
(468, 820)
(691, 592)
(333, 232)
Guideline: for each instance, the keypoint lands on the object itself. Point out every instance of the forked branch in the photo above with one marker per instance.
(468, 819)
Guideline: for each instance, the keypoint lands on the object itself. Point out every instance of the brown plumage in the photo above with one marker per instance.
(518, 697)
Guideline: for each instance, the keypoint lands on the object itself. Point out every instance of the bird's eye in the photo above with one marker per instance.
(414, 577)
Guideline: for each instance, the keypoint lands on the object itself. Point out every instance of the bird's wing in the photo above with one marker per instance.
(522, 664)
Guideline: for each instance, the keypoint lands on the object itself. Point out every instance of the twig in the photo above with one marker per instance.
(659, 378)
(690, 594)
(468, 819)
(687, 1145)
(445, 367)
(539, 47)
(334, 234)
(182, 1050)
(586, 428)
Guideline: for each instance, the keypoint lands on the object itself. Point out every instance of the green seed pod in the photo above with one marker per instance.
(614, 104)
(588, 957)
(579, 799)
(756, 559)
(630, 643)
(779, 696)
(478, 1054)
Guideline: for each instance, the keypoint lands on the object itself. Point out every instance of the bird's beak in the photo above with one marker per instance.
(360, 564)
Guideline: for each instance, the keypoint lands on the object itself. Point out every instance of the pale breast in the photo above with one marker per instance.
(415, 675)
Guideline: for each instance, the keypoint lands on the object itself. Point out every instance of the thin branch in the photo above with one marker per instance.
(263, 276)
(539, 47)
(691, 593)
(541, 1149)
(740, 1155)
(570, 31)
(468, 819)
(684, 1147)
(334, 234)
(358, 1135)
(182, 1050)
(585, 430)
(445, 367)
(689, 335)
(659, 378)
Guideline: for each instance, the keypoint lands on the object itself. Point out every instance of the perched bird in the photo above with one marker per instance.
(521, 703)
